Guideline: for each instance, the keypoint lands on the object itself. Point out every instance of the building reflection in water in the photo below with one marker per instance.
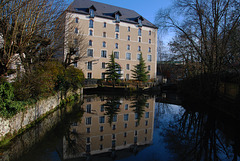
(110, 124)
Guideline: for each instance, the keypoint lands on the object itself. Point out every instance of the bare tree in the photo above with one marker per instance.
(27, 28)
(207, 28)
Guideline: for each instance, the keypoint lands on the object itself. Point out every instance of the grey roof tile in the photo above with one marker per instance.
(107, 11)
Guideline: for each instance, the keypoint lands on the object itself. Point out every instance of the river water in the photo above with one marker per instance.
(139, 127)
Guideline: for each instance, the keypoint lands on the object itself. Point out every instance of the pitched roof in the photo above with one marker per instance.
(107, 11)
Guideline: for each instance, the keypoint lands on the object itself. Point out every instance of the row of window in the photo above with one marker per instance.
(89, 76)
(88, 146)
(125, 118)
(101, 128)
(101, 138)
(89, 109)
(104, 44)
(116, 55)
(91, 25)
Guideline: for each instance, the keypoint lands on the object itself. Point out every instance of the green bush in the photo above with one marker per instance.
(39, 83)
(8, 106)
(72, 78)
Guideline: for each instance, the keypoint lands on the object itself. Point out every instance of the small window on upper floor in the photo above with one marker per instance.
(91, 32)
(104, 34)
(116, 45)
(128, 47)
(139, 39)
(129, 29)
(104, 24)
(149, 41)
(90, 43)
(129, 38)
(139, 48)
(150, 32)
(117, 28)
(90, 23)
(149, 50)
(76, 30)
(76, 20)
(104, 44)
(117, 36)
(139, 32)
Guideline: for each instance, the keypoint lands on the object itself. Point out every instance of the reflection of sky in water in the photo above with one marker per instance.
(164, 113)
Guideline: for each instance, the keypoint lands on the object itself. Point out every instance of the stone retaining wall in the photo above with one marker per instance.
(11, 126)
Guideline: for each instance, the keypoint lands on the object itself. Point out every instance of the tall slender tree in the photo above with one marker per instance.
(139, 71)
(113, 70)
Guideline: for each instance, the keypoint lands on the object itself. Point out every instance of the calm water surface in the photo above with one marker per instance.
(132, 128)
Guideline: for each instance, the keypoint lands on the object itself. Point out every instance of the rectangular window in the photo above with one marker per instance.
(139, 48)
(104, 24)
(125, 134)
(104, 53)
(147, 115)
(116, 54)
(103, 75)
(149, 57)
(128, 56)
(88, 148)
(146, 123)
(150, 33)
(89, 108)
(89, 75)
(149, 67)
(104, 34)
(113, 136)
(101, 147)
(91, 24)
(126, 107)
(147, 105)
(75, 64)
(101, 138)
(103, 65)
(117, 28)
(89, 65)
(102, 108)
(125, 117)
(90, 53)
(127, 76)
(138, 56)
(150, 41)
(129, 38)
(125, 125)
(136, 116)
(117, 36)
(115, 118)
(114, 127)
(139, 39)
(128, 67)
(76, 30)
(101, 119)
(101, 128)
(139, 32)
(129, 29)
(88, 130)
(90, 32)
(88, 121)
(76, 20)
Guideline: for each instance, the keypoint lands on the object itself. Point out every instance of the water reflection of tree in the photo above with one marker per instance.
(74, 141)
(112, 107)
(195, 136)
(139, 103)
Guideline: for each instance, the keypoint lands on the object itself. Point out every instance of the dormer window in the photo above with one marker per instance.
(140, 19)
(91, 11)
(117, 16)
